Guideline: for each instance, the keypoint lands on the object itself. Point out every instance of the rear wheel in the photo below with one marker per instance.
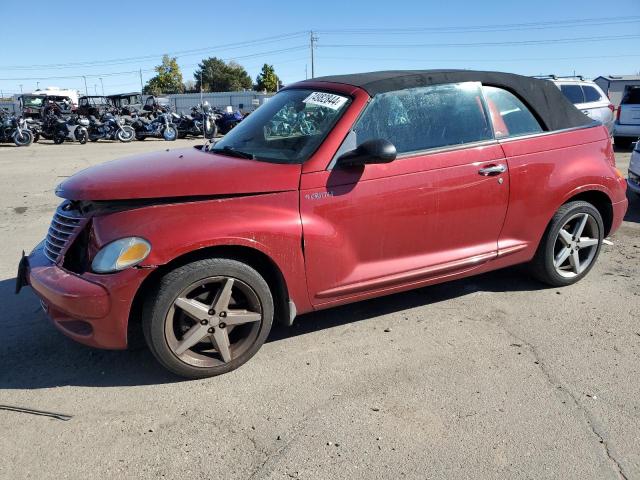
(208, 317)
(570, 246)
(58, 139)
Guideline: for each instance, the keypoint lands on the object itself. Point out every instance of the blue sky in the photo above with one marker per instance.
(353, 36)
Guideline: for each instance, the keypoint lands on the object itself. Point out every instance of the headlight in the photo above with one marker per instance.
(121, 254)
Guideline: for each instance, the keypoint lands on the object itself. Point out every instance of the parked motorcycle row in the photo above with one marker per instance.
(113, 123)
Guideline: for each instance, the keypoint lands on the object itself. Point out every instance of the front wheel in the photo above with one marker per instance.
(170, 133)
(208, 317)
(210, 128)
(82, 136)
(59, 139)
(23, 138)
(570, 246)
(125, 134)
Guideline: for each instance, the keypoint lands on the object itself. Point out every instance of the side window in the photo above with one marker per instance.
(591, 94)
(421, 118)
(509, 115)
(573, 93)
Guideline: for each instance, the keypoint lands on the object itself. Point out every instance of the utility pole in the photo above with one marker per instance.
(86, 90)
(20, 89)
(37, 85)
(312, 45)
(141, 85)
(102, 85)
(201, 86)
(95, 88)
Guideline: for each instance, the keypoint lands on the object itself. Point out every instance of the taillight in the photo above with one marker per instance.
(618, 113)
(612, 107)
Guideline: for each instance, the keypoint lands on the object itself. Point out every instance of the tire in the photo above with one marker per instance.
(36, 137)
(58, 139)
(552, 247)
(170, 133)
(125, 134)
(164, 325)
(82, 136)
(210, 129)
(23, 139)
(623, 142)
(140, 137)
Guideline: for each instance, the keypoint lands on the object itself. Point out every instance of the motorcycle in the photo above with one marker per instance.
(35, 126)
(159, 127)
(111, 127)
(15, 130)
(226, 120)
(200, 123)
(60, 129)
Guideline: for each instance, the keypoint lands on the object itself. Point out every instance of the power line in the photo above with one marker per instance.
(481, 44)
(354, 31)
(520, 59)
(181, 53)
(129, 72)
(585, 22)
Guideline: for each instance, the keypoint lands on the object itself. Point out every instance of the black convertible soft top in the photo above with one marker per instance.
(542, 96)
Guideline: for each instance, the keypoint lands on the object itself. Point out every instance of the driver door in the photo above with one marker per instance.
(429, 214)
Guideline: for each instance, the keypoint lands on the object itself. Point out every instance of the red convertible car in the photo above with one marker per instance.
(338, 189)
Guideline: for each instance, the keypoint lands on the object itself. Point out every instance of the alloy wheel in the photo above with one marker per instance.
(576, 245)
(213, 321)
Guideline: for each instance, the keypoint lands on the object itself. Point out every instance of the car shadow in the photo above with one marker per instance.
(34, 355)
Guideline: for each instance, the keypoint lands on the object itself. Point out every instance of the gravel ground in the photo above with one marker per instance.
(493, 376)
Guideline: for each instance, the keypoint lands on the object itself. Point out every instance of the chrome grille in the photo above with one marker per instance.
(64, 228)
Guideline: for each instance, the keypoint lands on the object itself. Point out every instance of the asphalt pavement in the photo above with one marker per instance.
(495, 376)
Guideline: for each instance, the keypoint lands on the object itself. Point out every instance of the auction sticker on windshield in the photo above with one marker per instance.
(323, 99)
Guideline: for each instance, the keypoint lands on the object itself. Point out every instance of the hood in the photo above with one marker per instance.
(187, 172)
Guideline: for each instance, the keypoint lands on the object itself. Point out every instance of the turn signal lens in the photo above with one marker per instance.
(121, 254)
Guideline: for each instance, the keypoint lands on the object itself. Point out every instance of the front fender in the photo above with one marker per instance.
(268, 223)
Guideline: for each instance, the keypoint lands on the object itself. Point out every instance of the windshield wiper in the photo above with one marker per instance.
(232, 152)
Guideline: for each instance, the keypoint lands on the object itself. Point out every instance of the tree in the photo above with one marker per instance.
(190, 86)
(267, 79)
(167, 80)
(218, 76)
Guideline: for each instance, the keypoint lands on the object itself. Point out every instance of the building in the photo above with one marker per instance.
(616, 85)
(244, 101)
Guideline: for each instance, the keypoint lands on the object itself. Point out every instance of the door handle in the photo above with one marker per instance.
(493, 170)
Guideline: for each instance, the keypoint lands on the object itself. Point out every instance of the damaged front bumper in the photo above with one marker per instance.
(90, 308)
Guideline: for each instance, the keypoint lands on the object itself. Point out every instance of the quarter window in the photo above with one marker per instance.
(509, 115)
(422, 118)
(590, 94)
(573, 93)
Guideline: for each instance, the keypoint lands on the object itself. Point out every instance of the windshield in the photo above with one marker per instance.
(32, 101)
(286, 129)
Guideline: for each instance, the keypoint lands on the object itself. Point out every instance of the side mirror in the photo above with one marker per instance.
(371, 151)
